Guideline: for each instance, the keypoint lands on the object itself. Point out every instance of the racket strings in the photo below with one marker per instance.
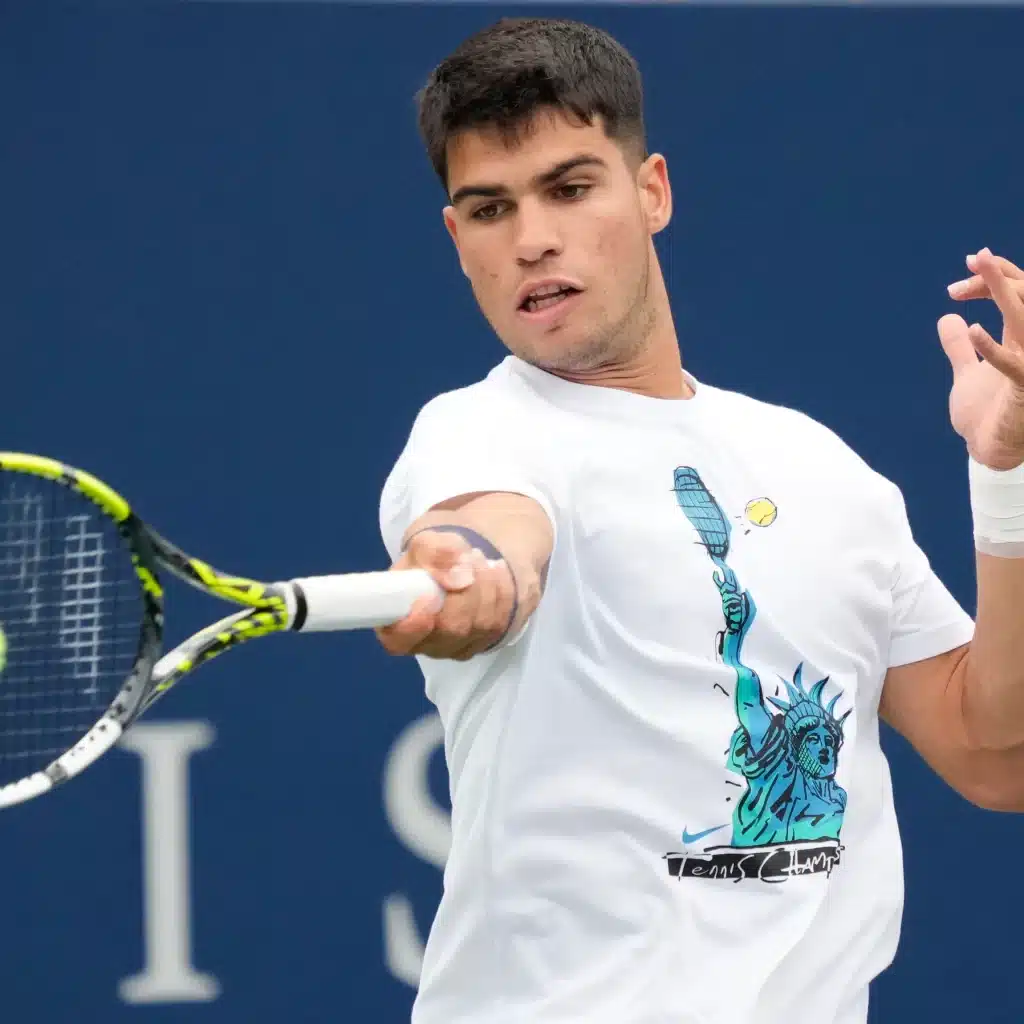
(70, 612)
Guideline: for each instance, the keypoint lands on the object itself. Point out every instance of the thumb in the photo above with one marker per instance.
(446, 556)
(956, 343)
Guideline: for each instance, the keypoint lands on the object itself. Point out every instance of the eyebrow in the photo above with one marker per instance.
(488, 191)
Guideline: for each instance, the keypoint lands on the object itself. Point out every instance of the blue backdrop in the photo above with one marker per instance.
(226, 289)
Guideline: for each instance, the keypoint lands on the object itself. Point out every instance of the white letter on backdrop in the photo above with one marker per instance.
(423, 826)
(169, 976)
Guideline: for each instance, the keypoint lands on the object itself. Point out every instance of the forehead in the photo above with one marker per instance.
(486, 154)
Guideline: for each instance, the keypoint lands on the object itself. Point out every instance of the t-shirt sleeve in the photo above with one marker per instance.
(460, 445)
(926, 619)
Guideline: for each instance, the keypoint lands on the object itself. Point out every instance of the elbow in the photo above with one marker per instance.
(1004, 794)
(989, 778)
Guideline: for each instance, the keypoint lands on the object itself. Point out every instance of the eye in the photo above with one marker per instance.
(574, 191)
(487, 212)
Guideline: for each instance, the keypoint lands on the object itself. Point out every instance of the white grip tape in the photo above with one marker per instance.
(364, 599)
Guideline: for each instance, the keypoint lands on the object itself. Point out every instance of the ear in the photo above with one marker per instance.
(451, 224)
(655, 192)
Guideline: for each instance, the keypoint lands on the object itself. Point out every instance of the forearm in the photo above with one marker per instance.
(516, 526)
(993, 672)
(992, 681)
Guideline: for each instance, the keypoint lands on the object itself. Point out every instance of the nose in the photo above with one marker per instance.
(537, 236)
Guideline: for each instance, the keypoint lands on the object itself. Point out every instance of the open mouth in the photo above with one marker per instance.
(547, 297)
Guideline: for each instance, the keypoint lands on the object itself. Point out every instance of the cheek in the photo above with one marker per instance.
(479, 265)
(484, 277)
(613, 236)
(619, 246)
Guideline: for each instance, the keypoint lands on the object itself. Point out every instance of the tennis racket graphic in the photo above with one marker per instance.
(82, 617)
(704, 513)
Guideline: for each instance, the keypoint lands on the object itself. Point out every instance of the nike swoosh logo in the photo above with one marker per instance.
(688, 838)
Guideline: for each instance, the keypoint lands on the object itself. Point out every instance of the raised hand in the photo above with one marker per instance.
(986, 403)
(735, 604)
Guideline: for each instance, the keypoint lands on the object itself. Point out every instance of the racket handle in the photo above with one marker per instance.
(360, 600)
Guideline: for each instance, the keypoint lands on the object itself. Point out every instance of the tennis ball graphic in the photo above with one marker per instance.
(761, 511)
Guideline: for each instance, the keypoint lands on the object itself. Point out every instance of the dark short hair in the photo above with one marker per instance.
(503, 75)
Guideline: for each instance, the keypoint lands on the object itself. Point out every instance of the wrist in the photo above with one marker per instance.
(997, 508)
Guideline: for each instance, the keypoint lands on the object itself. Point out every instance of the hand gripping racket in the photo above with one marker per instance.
(82, 617)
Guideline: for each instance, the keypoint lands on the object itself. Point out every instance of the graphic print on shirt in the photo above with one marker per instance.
(786, 748)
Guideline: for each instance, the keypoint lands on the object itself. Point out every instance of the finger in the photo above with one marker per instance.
(403, 636)
(956, 342)
(486, 628)
(450, 640)
(975, 287)
(480, 633)
(1003, 293)
(496, 607)
(968, 288)
(455, 622)
(1009, 269)
(1007, 361)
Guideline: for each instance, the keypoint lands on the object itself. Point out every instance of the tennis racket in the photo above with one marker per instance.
(82, 618)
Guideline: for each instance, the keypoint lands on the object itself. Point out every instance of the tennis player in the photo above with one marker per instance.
(674, 613)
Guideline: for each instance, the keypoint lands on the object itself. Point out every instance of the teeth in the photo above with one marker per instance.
(548, 295)
(548, 289)
(547, 300)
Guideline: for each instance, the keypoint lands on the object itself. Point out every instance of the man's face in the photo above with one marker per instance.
(553, 231)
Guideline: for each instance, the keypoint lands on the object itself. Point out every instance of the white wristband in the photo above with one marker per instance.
(997, 504)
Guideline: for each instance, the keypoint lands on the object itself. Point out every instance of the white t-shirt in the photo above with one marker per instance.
(669, 802)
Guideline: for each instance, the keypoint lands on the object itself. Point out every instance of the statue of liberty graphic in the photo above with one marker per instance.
(786, 748)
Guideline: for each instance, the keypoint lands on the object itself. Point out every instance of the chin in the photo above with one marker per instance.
(567, 354)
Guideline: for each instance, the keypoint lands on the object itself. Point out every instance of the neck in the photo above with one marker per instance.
(656, 373)
(654, 368)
